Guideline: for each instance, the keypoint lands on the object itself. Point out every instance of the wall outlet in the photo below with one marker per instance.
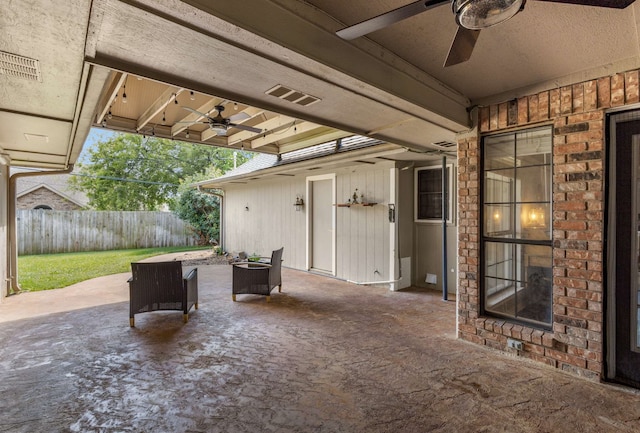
(514, 344)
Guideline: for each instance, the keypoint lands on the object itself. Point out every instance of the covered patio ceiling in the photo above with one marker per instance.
(139, 105)
(81, 56)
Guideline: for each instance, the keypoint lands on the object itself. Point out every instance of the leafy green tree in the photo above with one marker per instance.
(132, 172)
(202, 212)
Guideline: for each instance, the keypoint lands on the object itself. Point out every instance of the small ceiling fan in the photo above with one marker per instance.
(471, 16)
(220, 125)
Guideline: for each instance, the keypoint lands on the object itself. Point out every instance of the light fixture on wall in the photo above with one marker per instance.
(299, 203)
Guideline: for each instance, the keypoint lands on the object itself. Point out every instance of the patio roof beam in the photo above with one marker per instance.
(320, 138)
(116, 81)
(169, 94)
(294, 128)
(272, 124)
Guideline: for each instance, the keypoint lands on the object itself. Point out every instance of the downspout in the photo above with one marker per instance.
(12, 239)
(445, 211)
(221, 200)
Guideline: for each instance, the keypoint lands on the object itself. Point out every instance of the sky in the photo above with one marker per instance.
(95, 135)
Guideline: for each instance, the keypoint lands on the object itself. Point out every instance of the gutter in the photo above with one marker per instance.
(12, 239)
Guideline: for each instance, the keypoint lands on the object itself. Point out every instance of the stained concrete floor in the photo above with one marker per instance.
(323, 356)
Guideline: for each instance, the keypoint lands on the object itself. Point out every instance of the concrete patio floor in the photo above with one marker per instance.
(323, 356)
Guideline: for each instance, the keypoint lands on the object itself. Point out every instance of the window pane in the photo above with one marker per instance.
(518, 281)
(430, 206)
(430, 180)
(500, 296)
(498, 220)
(533, 184)
(534, 300)
(499, 186)
(533, 147)
(499, 261)
(499, 152)
(429, 193)
(534, 221)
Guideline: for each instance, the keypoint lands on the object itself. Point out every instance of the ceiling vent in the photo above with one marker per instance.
(291, 95)
(18, 66)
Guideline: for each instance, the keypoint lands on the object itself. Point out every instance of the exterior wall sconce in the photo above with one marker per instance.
(299, 203)
(246, 208)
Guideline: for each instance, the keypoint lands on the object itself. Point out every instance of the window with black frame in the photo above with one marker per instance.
(516, 232)
(428, 204)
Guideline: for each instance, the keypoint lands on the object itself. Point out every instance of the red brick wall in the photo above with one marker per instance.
(44, 196)
(577, 114)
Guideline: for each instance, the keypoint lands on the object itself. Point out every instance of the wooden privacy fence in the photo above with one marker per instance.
(49, 231)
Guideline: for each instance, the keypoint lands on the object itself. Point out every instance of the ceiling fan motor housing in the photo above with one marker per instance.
(480, 14)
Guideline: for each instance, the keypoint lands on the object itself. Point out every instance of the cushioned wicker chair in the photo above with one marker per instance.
(258, 278)
(161, 286)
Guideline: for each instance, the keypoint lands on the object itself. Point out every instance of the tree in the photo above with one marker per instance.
(132, 172)
(202, 212)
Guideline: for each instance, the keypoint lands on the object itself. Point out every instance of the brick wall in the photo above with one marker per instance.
(577, 113)
(44, 196)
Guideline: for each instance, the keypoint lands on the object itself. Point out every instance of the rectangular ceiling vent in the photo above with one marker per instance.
(18, 66)
(447, 145)
(291, 95)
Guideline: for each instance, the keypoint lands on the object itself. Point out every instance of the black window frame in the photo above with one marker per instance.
(515, 241)
(449, 173)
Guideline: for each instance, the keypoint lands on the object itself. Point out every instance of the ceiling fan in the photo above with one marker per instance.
(220, 125)
(471, 17)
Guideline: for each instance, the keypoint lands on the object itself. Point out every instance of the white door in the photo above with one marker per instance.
(321, 223)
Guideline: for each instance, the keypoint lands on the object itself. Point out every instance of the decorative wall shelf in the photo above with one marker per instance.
(354, 204)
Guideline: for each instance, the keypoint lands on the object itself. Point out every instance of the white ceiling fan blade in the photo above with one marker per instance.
(246, 128)
(239, 117)
(193, 122)
(195, 111)
(386, 19)
(462, 46)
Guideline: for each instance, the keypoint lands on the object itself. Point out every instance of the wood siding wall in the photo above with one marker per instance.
(46, 232)
(363, 244)
(271, 221)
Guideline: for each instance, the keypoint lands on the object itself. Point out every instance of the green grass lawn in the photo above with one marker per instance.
(52, 271)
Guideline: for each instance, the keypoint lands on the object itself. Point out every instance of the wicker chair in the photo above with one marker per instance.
(161, 286)
(258, 278)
